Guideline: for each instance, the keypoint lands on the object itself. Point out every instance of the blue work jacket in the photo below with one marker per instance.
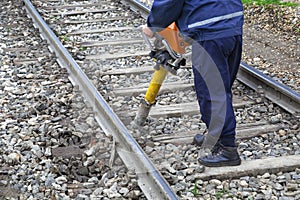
(198, 19)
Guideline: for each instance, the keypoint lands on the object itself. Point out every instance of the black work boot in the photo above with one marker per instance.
(226, 156)
(198, 141)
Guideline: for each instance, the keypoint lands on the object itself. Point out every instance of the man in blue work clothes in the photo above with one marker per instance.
(215, 27)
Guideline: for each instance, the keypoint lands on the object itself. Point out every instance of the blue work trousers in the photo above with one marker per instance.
(215, 66)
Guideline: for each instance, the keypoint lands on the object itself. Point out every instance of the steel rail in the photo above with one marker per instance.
(139, 7)
(276, 92)
(151, 182)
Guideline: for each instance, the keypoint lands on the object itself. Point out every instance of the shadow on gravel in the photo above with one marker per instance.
(7, 192)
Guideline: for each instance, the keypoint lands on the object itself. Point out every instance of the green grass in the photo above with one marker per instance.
(82, 48)
(195, 190)
(64, 38)
(222, 192)
(268, 2)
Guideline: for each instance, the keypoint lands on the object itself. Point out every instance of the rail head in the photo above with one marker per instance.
(278, 93)
(139, 7)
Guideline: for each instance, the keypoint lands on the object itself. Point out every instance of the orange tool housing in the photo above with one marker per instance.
(172, 35)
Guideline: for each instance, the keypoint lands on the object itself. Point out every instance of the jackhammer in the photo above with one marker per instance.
(167, 50)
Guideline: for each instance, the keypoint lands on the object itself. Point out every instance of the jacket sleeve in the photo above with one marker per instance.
(163, 13)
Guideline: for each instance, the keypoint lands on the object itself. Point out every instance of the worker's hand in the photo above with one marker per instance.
(147, 31)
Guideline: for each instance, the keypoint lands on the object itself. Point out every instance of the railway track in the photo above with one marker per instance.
(109, 63)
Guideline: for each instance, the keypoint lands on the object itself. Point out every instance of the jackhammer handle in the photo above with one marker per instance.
(146, 38)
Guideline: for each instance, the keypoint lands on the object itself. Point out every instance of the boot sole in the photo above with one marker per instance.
(221, 164)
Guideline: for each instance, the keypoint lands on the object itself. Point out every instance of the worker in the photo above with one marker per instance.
(214, 28)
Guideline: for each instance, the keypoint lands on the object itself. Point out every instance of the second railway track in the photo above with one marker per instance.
(103, 38)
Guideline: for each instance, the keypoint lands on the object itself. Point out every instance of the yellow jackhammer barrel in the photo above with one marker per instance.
(167, 51)
(149, 99)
